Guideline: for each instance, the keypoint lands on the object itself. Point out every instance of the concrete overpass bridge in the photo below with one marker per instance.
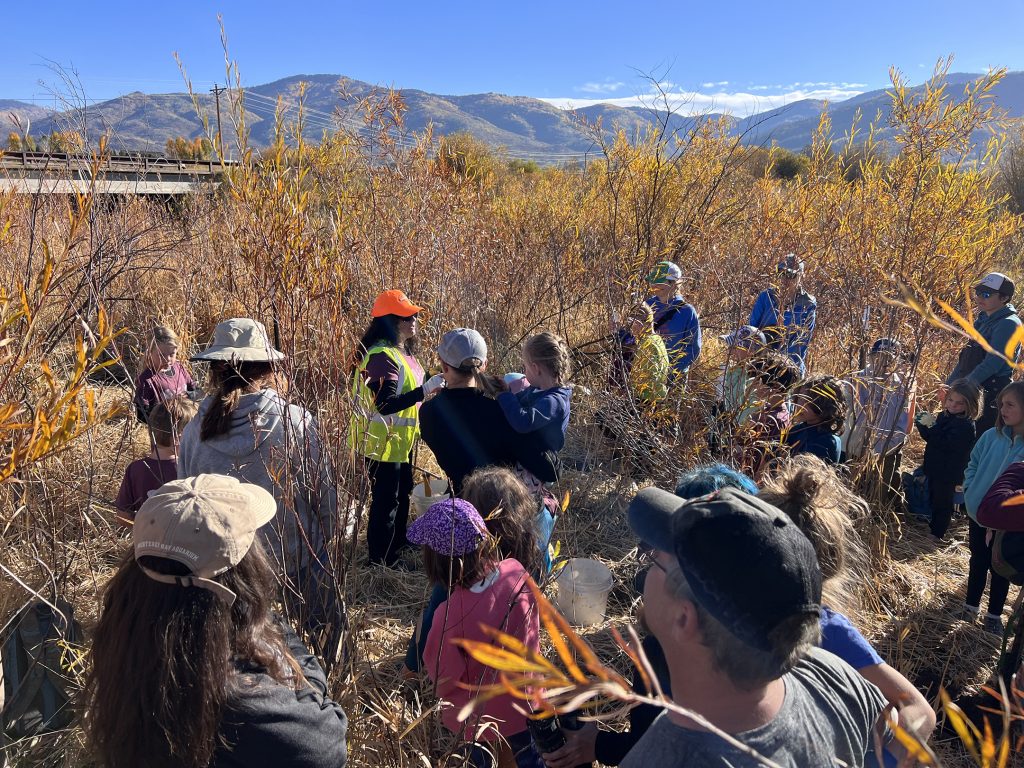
(49, 173)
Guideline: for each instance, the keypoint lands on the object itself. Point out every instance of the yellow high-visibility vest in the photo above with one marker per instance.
(383, 438)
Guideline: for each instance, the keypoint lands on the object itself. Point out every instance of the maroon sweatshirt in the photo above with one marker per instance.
(992, 513)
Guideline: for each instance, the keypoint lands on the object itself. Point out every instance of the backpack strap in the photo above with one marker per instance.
(672, 312)
(32, 661)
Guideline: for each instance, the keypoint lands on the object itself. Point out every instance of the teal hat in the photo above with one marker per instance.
(664, 272)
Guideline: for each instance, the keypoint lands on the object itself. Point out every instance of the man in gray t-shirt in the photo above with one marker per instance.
(828, 712)
(733, 597)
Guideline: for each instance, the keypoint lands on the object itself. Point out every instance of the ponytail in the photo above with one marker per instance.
(230, 382)
(472, 369)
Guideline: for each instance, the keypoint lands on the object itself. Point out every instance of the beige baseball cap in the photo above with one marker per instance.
(207, 523)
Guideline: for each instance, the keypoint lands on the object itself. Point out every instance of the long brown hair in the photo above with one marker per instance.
(451, 571)
(228, 382)
(509, 511)
(1014, 388)
(164, 661)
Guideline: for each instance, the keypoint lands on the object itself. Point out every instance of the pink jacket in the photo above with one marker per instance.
(504, 602)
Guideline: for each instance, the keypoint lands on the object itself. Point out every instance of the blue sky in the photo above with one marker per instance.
(738, 55)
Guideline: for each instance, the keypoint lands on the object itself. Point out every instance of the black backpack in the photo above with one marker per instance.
(38, 654)
(1008, 555)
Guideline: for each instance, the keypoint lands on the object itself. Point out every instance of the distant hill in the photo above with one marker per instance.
(524, 126)
(25, 112)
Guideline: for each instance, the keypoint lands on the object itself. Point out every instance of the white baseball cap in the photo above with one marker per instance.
(998, 282)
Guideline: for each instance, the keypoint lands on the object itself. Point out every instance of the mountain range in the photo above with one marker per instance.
(525, 127)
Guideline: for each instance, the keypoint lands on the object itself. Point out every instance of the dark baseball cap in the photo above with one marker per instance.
(886, 345)
(746, 562)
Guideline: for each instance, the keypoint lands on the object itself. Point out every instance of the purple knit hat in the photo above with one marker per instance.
(451, 528)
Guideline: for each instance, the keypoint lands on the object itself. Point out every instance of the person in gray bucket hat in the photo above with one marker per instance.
(240, 340)
(246, 429)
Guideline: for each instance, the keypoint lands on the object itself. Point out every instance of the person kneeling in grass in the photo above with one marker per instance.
(820, 417)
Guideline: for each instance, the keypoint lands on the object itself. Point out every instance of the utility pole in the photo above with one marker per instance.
(217, 91)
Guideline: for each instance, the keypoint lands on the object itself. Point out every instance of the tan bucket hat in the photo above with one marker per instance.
(207, 523)
(240, 340)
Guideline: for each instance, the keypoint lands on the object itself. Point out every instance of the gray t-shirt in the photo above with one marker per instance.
(828, 712)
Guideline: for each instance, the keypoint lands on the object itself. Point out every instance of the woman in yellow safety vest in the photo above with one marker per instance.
(387, 389)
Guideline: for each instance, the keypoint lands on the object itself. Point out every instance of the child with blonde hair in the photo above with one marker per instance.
(162, 377)
(540, 402)
(826, 510)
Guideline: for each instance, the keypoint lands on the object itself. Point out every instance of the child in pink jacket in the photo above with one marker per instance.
(457, 554)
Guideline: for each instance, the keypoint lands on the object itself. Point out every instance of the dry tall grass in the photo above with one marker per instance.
(303, 236)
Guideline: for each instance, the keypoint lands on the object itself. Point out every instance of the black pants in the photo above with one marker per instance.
(940, 496)
(390, 488)
(979, 572)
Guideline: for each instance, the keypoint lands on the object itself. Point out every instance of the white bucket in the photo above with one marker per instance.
(583, 588)
(421, 501)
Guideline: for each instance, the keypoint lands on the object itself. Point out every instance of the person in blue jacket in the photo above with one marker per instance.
(675, 320)
(787, 314)
(820, 417)
(997, 321)
(995, 450)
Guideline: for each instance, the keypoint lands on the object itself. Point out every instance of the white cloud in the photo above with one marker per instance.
(605, 87)
(740, 102)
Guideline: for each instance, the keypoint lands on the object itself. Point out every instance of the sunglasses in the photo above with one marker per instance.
(984, 293)
(646, 557)
(789, 274)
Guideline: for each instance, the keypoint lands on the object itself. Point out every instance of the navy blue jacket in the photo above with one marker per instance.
(545, 411)
(815, 440)
(947, 450)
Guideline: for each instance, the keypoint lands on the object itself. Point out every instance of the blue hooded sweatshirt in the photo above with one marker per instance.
(679, 327)
(545, 411)
(994, 452)
(997, 329)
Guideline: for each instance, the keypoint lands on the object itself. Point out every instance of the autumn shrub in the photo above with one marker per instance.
(302, 237)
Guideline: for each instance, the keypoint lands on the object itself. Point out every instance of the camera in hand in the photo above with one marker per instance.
(547, 732)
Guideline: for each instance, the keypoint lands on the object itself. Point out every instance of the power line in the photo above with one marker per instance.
(267, 107)
(330, 121)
